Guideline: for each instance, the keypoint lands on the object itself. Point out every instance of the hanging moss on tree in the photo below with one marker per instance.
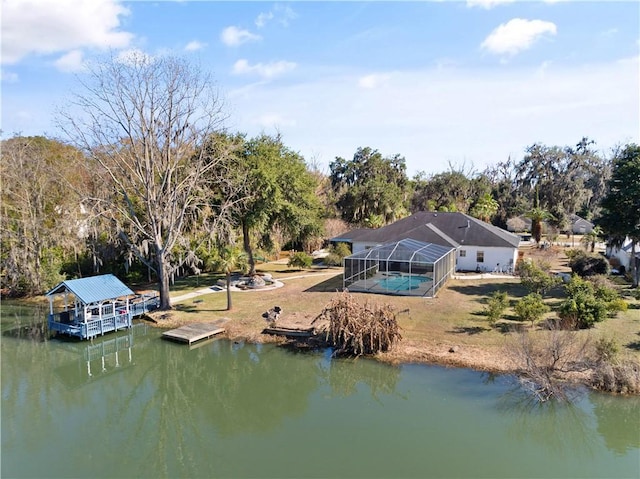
(356, 329)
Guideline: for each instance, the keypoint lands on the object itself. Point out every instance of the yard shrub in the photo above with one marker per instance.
(582, 308)
(300, 260)
(496, 304)
(588, 264)
(536, 278)
(531, 308)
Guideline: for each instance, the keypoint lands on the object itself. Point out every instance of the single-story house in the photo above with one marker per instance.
(479, 246)
(580, 226)
(577, 226)
(623, 253)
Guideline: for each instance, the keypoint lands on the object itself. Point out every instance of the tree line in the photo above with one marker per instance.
(149, 185)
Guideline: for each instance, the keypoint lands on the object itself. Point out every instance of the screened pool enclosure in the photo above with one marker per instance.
(406, 267)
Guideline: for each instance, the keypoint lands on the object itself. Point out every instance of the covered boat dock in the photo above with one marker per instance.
(90, 307)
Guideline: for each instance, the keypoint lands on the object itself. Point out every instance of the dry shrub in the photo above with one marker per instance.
(622, 378)
(356, 329)
(545, 362)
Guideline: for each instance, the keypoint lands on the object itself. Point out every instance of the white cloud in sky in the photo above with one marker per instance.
(46, 27)
(133, 55)
(373, 81)
(517, 35)
(264, 70)
(435, 117)
(233, 36)
(194, 45)
(273, 120)
(71, 62)
(487, 4)
(8, 77)
(263, 19)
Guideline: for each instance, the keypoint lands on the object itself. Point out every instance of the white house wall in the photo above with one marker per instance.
(467, 258)
(358, 246)
(493, 256)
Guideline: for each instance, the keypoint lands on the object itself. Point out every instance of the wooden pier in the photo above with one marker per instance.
(290, 332)
(190, 333)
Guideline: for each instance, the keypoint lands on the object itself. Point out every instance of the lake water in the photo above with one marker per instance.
(133, 405)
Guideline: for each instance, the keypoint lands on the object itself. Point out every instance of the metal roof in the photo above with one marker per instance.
(93, 289)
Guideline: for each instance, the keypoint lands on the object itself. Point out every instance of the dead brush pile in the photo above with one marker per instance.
(357, 329)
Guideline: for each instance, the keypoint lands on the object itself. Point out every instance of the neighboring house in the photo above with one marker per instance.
(479, 245)
(623, 254)
(580, 226)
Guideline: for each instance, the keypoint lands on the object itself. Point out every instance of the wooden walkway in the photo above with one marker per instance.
(190, 333)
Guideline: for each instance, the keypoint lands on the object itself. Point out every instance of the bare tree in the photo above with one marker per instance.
(143, 120)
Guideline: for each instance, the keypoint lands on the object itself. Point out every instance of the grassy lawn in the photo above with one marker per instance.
(430, 326)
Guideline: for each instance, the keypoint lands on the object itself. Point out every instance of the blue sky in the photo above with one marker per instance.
(460, 83)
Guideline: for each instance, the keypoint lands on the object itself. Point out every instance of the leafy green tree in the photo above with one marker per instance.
(484, 208)
(535, 278)
(531, 308)
(449, 191)
(370, 185)
(588, 303)
(496, 305)
(620, 216)
(42, 220)
(558, 178)
(300, 260)
(230, 259)
(279, 193)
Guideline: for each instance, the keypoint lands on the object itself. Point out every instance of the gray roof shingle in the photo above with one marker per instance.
(449, 229)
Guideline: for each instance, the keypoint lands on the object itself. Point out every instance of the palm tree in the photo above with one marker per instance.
(537, 215)
(590, 239)
(230, 259)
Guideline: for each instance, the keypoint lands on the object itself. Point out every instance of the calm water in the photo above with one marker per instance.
(133, 405)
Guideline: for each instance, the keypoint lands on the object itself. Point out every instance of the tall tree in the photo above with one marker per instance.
(141, 121)
(369, 185)
(42, 219)
(620, 216)
(277, 196)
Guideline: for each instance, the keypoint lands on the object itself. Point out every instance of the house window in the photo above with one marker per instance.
(480, 257)
(463, 253)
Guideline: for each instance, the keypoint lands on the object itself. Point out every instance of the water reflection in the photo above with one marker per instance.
(618, 422)
(344, 376)
(100, 357)
(140, 406)
(560, 427)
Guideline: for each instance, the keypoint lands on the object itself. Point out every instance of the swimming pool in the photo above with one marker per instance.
(402, 283)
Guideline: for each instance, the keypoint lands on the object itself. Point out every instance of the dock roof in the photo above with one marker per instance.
(93, 289)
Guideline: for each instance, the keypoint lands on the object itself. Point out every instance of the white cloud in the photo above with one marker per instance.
(283, 14)
(194, 45)
(432, 117)
(46, 27)
(8, 77)
(273, 120)
(373, 81)
(263, 19)
(133, 55)
(265, 70)
(487, 4)
(234, 36)
(70, 62)
(517, 35)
